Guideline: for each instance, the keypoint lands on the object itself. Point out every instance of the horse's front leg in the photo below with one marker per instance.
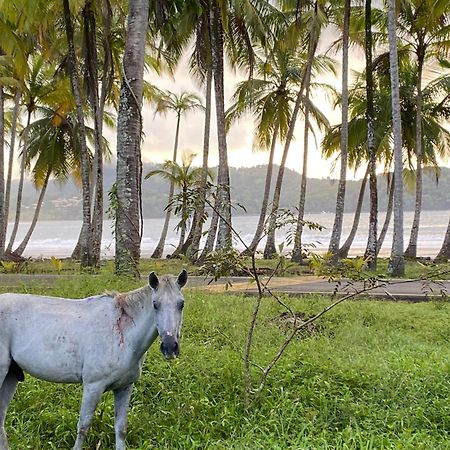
(7, 389)
(91, 397)
(121, 401)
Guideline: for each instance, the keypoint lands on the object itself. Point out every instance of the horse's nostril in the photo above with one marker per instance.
(170, 347)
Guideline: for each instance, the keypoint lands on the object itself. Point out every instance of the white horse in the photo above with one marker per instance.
(97, 341)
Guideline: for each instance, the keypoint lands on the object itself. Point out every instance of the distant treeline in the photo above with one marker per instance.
(63, 202)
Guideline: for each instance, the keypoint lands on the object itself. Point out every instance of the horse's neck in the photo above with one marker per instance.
(140, 313)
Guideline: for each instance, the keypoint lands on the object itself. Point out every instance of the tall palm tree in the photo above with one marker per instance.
(340, 199)
(424, 25)
(268, 96)
(181, 104)
(37, 87)
(53, 149)
(316, 21)
(128, 227)
(371, 249)
(86, 231)
(396, 262)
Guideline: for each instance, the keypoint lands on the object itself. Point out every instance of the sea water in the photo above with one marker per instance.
(58, 238)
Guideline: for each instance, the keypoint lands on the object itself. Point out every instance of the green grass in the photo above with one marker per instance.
(414, 269)
(374, 375)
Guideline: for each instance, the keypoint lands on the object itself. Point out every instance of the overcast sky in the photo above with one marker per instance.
(160, 130)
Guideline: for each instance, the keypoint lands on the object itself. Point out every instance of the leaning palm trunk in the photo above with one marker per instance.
(396, 262)
(223, 177)
(265, 203)
(20, 249)
(128, 226)
(370, 254)
(182, 227)
(197, 225)
(11, 154)
(444, 252)
(2, 175)
(183, 250)
(387, 219)
(158, 252)
(270, 249)
(85, 241)
(297, 251)
(20, 188)
(343, 251)
(212, 232)
(340, 198)
(411, 250)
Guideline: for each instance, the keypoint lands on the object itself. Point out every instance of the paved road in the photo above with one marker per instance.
(390, 289)
(408, 290)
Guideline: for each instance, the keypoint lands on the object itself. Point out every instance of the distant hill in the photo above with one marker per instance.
(64, 201)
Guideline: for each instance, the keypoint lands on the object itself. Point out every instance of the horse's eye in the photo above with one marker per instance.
(155, 305)
(180, 306)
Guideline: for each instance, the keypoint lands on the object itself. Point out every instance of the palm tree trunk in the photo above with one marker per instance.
(2, 175)
(20, 188)
(20, 249)
(270, 249)
(193, 250)
(444, 252)
(184, 218)
(183, 250)
(411, 250)
(14, 121)
(370, 254)
(340, 199)
(387, 219)
(128, 232)
(158, 252)
(223, 177)
(265, 203)
(297, 251)
(85, 241)
(396, 262)
(92, 72)
(212, 232)
(343, 251)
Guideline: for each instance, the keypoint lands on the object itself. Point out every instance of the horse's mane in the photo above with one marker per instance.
(143, 294)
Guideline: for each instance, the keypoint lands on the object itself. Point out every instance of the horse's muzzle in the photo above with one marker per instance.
(169, 347)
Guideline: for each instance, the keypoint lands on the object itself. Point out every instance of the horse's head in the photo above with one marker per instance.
(168, 302)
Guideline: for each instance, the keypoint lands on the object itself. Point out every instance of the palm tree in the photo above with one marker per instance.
(424, 26)
(53, 147)
(370, 254)
(312, 41)
(86, 231)
(38, 86)
(186, 179)
(396, 262)
(128, 227)
(340, 199)
(268, 96)
(181, 104)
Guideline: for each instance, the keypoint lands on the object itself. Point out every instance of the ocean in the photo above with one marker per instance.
(58, 238)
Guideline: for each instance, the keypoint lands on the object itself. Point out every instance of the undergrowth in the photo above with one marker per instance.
(373, 375)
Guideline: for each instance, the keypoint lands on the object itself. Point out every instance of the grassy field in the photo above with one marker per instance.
(372, 375)
(414, 269)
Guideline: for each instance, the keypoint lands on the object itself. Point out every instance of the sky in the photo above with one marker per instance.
(160, 130)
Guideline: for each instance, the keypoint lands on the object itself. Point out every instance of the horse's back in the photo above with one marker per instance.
(50, 336)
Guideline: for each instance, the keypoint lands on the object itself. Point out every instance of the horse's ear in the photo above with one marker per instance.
(153, 281)
(182, 278)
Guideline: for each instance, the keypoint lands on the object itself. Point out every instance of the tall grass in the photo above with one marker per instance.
(371, 375)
